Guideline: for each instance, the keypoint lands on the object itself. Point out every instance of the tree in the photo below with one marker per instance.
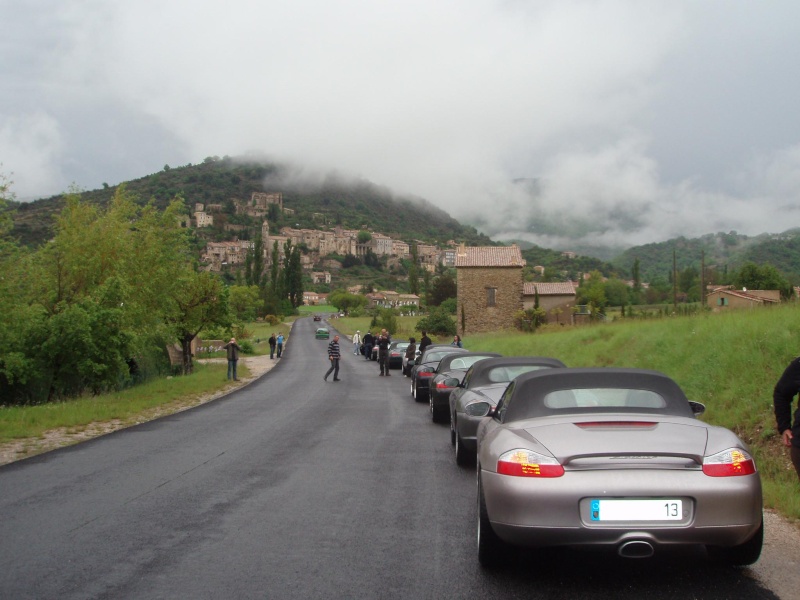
(244, 301)
(617, 292)
(592, 291)
(762, 277)
(344, 301)
(438, 322)
(200, 301)
(443, 288)
(364, 237)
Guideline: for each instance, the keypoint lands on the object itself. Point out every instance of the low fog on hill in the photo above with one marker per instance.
(608, 122)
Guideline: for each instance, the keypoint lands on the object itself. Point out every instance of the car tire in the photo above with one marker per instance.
(436, 411)
(463, 458)
(413, 391)
(452, 431)
(492, 551)
(741, 555)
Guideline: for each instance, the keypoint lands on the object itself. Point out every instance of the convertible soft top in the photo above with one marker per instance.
(563, 391)
(489, 371)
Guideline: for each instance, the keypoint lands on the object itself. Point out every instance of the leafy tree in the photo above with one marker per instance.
(438, 322)
(443, 288)
(617, 292)
(530, 319)
(364, 237)
(244, 301)
(344, 301)
(592, 291)
(762, 277)
(199, 301)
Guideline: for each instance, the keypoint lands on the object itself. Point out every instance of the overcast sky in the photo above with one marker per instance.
(639, 120)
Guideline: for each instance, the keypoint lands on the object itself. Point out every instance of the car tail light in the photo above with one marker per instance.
(424, 372)
(525, 463)
(442, 385)
(729, 463)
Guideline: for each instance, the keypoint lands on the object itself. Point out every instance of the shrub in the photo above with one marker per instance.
(438, 322)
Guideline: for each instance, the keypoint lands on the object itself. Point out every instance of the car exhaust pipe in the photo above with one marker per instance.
(636, 549)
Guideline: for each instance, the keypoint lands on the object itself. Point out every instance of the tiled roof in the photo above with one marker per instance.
(489, 256)
(746, 296)
(549, 289)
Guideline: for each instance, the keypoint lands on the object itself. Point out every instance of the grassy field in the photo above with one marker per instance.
(730, 362)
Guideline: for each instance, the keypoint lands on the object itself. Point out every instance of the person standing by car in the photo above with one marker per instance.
(280, 344)
(357, 342)
(233, 350)
(424, 342)
(411, 351)
(383, 352)
(369, 342)
(272, 344)
(785, 390)
(457, 341)
(334, 354)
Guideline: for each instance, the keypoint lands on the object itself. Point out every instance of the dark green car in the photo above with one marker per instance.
(322, 334)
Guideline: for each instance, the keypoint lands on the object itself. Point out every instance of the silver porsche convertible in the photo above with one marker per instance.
(612, 458)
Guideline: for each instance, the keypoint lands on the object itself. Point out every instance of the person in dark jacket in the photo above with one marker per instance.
(411, 354)
(369, 342)
(334, 354)
(424, 342)
(383, 351)
(272, 343)
(782, 396)
(233, 350)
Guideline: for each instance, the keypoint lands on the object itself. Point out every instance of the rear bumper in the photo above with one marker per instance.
(539, 512)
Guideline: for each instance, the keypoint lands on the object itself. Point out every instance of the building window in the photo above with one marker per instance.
(491, 296)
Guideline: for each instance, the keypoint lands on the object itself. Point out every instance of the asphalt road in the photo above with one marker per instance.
(291, 488)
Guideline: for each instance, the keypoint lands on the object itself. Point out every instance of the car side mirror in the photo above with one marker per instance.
(698, 408)
(479, 409)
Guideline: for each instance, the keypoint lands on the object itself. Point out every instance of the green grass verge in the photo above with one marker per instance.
(18, 422)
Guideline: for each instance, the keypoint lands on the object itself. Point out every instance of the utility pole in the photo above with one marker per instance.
(674, 282)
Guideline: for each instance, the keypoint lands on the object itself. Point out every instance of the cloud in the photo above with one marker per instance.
(638, 120)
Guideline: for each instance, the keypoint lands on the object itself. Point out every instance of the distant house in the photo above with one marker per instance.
(489, 280)
(555, 298)
(727, 298)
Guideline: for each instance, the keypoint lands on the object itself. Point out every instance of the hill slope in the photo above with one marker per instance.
(351, 204)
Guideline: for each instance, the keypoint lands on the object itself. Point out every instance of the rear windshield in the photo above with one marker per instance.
(465, 362)
(509, 373)
(604, 397)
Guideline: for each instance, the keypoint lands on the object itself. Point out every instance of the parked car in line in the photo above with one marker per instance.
(425, 368)
(322, 333)
(485, 382)
(317, 318)
(448, 375)
(612, 458)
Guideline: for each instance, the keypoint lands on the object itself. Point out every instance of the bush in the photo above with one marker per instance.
(438, 322)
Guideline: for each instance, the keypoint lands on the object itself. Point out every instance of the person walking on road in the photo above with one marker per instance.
(411, 354)
(357, 342)
(272, 343)
(384, 339)
(369, 342)
(334, 355)
(233, 350)
(280, 344)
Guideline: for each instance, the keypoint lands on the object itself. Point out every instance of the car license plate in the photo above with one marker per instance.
(636, 510)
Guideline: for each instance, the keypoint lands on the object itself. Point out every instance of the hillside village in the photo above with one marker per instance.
(317, 243)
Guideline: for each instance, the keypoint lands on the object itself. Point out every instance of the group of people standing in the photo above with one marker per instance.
(276, 345)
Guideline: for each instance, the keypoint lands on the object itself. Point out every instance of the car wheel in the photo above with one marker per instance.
(413, 391)
(452, 430)
(491, 549)
(463, 458)
(742, 555)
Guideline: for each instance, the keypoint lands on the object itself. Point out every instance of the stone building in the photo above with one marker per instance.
(555, 298)
(489, 282)
(726, 298)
